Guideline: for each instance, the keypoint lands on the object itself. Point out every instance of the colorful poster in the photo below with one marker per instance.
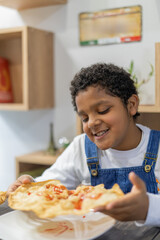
(119, 25)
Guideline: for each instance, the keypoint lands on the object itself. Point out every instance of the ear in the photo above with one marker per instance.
(133, 103)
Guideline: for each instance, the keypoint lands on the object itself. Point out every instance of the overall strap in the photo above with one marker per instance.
(92, 156)
(152, 150)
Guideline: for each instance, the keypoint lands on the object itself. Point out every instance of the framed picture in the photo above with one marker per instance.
(111, 26)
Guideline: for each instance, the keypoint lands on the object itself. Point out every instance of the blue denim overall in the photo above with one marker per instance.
(120, 175)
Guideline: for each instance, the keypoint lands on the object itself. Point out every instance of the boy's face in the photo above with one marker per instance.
(105, 119)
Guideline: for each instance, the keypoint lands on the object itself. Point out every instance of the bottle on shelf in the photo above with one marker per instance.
(51, 147)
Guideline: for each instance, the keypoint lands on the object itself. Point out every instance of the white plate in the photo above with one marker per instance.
(19, 225)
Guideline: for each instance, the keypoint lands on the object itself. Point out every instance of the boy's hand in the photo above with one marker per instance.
(133, 206)
(22, 179)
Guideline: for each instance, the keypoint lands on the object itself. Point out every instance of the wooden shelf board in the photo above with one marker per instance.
(26, 4)
(39, 157)
(13, 106)
(148, 108)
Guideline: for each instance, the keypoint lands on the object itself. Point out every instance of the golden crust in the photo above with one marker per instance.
(50, 198)
(2, 197)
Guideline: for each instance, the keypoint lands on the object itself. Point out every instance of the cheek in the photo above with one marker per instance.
(112, 119)
(85, 128)
(119, 120)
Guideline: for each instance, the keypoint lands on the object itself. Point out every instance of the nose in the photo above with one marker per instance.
(93, 121)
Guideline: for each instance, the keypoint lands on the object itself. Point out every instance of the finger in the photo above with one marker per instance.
(128, 200)
(99, 209)
(26, 180)
(21, 180)
(117, 213)
(137, 181)
(12, 188)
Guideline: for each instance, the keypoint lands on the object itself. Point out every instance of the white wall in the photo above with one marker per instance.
(24, 132)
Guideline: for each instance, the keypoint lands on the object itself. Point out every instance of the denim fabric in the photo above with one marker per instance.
(120, 175)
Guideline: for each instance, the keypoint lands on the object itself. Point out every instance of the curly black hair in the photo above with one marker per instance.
(115, 80)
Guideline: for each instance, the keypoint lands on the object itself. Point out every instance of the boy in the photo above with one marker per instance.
(113, 149)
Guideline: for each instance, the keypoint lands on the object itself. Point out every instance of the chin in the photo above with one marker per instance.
(102, 147)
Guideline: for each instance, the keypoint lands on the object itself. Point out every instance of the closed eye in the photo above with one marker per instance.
(105, 111)
(85, 120)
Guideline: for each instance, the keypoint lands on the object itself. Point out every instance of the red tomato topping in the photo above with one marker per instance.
(78, 205)
(70, 192)
(57, 189)
(49, 197)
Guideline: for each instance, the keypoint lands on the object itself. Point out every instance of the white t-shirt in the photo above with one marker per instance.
(71, 167)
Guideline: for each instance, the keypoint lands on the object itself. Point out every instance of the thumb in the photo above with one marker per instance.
(26, 179)
(138, 183)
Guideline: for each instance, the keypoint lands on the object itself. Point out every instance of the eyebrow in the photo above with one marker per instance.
(94, 105)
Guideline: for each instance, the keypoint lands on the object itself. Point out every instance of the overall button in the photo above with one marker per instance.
(94, 172)
(147, 168)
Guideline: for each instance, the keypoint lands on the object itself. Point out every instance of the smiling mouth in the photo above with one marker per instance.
(101, 133)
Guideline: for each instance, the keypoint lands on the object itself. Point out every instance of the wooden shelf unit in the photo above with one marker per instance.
(30, 55)
(156, 107)
(26, 4)
(34, 160)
